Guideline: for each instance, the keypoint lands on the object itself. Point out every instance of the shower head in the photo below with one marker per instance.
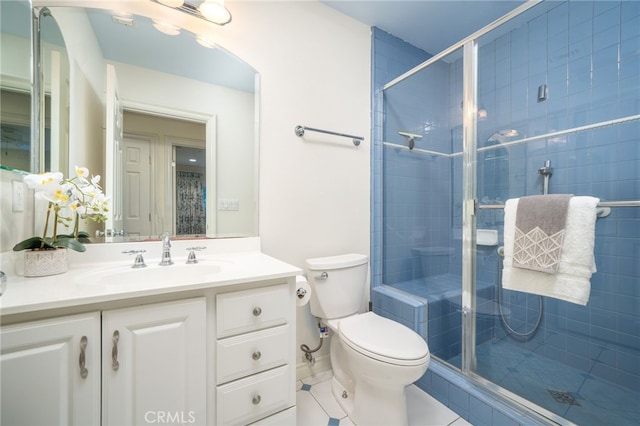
(411, 138)
(503, 136)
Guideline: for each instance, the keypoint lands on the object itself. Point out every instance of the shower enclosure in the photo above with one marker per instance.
(546, 98)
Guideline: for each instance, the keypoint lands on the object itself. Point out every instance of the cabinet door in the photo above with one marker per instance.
(154, 364)
(51, 372)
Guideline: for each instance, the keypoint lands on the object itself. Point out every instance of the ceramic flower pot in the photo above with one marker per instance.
(42, 263)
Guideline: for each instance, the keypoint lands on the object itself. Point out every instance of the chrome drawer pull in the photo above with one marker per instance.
(257, 311)
(256, 399)
(114, 351)
(83, 358)
(256, 355)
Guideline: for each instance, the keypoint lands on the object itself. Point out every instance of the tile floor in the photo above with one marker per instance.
(316, 406)
(533, 376)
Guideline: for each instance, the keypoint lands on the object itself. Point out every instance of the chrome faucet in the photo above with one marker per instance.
(166, 250)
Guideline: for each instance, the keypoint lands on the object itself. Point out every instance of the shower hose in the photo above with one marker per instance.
(500, 309)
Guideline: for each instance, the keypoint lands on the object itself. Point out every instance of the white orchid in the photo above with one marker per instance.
(79, 197)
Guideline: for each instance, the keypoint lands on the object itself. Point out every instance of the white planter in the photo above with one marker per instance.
(42, 263)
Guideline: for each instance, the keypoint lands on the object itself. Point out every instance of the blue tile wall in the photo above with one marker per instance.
(391, 57)
(588, 56)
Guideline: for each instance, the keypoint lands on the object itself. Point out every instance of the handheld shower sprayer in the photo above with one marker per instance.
(411, 138)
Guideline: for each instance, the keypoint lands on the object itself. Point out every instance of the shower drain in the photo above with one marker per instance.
(564, 397)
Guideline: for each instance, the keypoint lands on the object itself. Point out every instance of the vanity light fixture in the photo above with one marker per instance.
(124, 20)
(215, 11)
(210, 10)
(166, 28)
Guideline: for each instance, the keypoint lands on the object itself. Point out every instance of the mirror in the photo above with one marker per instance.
(178, 82)
(16, 120)
(15, 85)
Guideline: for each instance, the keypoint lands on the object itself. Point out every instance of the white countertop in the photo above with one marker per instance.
(88, 279)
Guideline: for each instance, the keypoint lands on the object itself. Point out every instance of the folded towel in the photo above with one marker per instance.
(539, 234)
(577, 262)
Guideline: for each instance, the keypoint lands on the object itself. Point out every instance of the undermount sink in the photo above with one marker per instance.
(178, 273)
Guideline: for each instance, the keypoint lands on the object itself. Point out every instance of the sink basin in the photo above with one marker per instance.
(178, 273)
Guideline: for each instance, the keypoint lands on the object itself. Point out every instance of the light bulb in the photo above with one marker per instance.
(166, 28)
(214, 11)
(206, 42)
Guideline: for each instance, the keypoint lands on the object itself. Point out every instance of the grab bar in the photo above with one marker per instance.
(299, 130)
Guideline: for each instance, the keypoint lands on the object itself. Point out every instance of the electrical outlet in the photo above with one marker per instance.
(17, 196)
(228, 204)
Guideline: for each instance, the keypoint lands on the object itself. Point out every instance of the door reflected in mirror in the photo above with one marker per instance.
(173, 151)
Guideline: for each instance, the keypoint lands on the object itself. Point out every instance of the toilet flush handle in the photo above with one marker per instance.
(322, 276)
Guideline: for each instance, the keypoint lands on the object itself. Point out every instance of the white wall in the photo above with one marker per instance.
(314, 65)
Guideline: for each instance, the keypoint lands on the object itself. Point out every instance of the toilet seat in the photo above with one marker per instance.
(383, 339)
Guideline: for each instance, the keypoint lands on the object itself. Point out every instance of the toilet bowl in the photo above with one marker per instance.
(373, 358)
(385, 357)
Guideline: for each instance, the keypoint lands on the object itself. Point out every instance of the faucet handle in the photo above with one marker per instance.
(192, 253)
(139, 262)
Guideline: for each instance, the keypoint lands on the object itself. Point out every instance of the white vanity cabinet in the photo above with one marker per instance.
(154, 364)
(255, 360)
(50, 371)
(202, 346)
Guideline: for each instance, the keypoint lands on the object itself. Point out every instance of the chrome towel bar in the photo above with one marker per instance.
(604, 207)
(600, 204)
(299, 130)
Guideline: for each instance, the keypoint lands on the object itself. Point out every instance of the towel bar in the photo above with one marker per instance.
(604, 207)
(299, 130)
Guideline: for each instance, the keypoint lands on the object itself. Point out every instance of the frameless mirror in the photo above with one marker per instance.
(164, 99)
(15, 85)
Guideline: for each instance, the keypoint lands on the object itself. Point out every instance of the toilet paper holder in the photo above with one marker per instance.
(301, 293)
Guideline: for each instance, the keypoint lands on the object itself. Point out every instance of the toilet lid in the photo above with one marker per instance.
(383, 339)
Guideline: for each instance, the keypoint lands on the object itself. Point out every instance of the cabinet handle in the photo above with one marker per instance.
(256, 355)
(256, 399)
(114, 351)
(83, 358)
(257, 311)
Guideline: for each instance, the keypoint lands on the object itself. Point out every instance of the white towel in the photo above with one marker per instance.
(572, 282)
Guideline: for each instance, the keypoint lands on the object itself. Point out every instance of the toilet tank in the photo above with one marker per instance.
(337, 284)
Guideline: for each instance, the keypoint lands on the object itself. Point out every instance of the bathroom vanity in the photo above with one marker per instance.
(104, 343)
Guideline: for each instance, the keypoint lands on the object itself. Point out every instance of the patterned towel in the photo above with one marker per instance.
(540, 231)
(577, 263)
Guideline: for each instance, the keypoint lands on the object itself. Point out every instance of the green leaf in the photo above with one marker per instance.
(70, 243)
(83, 237)
(32, 243)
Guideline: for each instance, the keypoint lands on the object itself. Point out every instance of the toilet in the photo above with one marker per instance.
(373, 358)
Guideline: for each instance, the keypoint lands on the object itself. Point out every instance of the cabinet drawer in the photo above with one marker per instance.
(283, 418)
(251, 353)
(252, 398)
(249, 310)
